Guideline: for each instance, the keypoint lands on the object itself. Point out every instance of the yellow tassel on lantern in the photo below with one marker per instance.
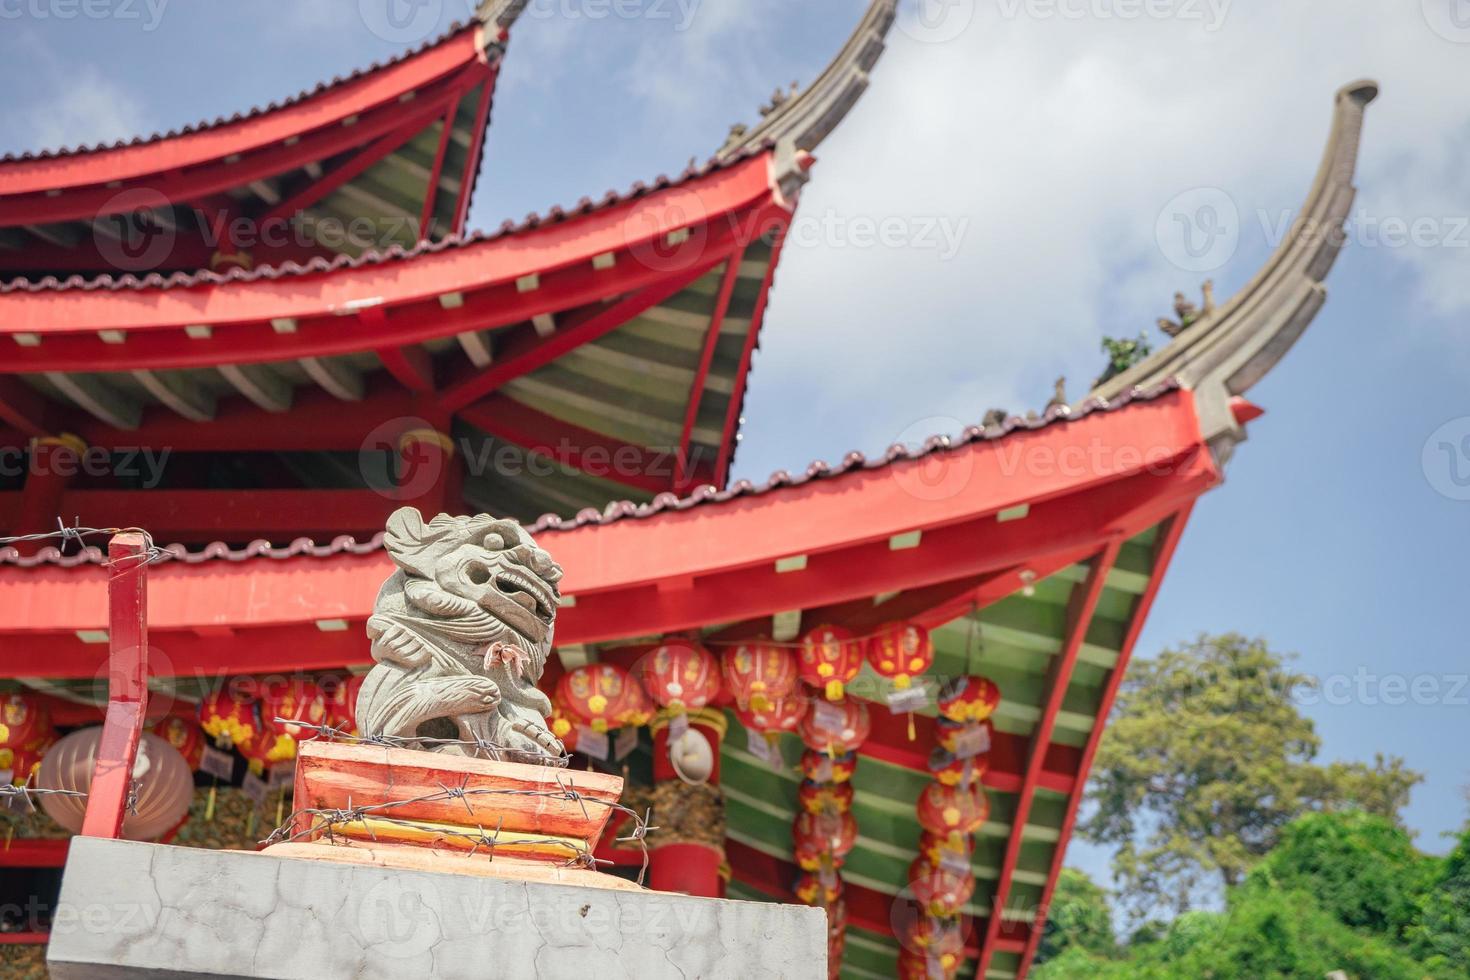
(902, 682)
(834, 690)
(912, 734)
(209, 807)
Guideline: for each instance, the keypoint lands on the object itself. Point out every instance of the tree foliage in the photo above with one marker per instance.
(1340, 891)
(1206, 758)
(1079, 917)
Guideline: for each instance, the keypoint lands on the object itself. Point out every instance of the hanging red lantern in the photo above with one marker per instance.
(20, 763)
(818, 889)
(953, 809)
(184, 735)
(759, 673)
(930, 939)
(823, 840)
(24, 719)
(636, 708)
(835, 728)
(941, 890)
(953, 770)
(963, 737)
(595, 694)
(304, 709)
(968, 699)
(926, 966)
(830, 657)
(230, 715)
(681, 675)
(954, 850)
(901, 652)
(782, 715)
(820, 767)
(340, 695)
(817, 797)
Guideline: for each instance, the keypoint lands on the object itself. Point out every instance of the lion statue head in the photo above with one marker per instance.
(460, 635)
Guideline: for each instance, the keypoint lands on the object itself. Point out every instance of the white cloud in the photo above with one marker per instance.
(75, 105)
(1059, 141)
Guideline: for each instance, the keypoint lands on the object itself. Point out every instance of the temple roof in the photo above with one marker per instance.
(387, 154)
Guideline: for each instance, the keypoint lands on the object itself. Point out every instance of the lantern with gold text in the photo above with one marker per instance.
(230, 716)
(821, 890)
(940, 889)
(901, 652)
(595, 694)
(560, 724)
(681, 675)
(928, 940)
(823, 768)
(823, 840)
(836, 728)
(759, 673)
(301, 704)
(828, 797)
(636, 708)
(952, 810)
(184, 735)
(928, 966)
(947, 849)
(830, 657)
(953, 770)
(968, 699)
(963, 738)
(20, 763)
(783, 715)
(24, 720)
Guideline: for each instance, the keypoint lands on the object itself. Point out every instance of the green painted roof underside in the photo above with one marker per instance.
(1012, 642)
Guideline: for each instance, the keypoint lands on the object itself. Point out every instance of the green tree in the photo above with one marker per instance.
(1442, 935)
(1362, 868)
(1079, 917)
(1205, 759)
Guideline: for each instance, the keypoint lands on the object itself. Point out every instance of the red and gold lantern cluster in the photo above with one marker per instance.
(183, 734)
(597, 695)
(25, 735)
(302, 710)
(951, 810)
(230, 715)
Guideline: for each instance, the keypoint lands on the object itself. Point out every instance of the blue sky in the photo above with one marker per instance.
(1048, 138)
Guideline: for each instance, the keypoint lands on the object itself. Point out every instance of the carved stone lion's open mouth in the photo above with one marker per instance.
(528, 592)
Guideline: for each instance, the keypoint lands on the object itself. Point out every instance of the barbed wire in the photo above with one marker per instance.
(78, 534)
(27, 792)
(324, 821)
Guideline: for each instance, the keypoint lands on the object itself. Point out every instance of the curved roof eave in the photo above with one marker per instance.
(1225, 353)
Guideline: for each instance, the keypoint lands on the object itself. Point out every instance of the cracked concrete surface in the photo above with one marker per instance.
(131, 910)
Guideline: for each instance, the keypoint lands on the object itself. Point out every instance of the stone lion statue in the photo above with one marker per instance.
(460, 635)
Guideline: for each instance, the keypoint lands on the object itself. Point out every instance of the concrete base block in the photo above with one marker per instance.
(131, 910)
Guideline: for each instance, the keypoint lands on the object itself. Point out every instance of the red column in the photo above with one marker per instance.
(50, 465)
(428, 474)
(688, 860)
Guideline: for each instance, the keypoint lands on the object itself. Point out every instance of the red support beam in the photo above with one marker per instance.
(127, 685)
(1163, 555)
(706, 359)
(233, 515)
(472, 159)
(431, 192)
(1084, 603)
(24, 408)
(742, 373)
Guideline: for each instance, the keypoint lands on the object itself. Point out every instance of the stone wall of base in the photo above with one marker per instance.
(131, 910)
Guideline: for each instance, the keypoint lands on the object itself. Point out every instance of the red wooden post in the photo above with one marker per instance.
(127, 685)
